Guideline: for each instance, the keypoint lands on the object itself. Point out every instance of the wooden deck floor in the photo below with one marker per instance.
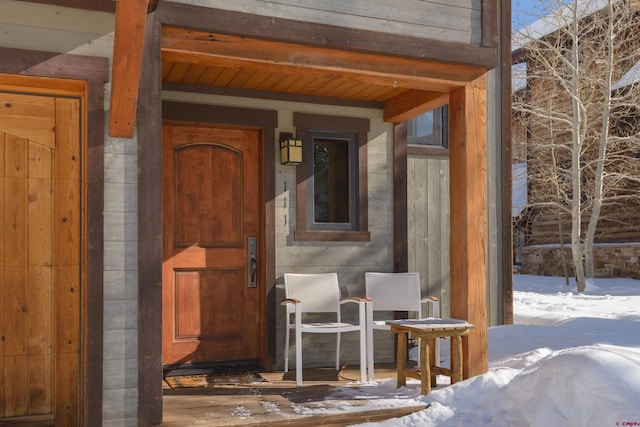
(324, 399)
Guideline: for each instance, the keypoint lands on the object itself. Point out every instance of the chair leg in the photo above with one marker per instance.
(338, 351)
(370, 358)
(286, 349)
(363, 346)
(298, 351)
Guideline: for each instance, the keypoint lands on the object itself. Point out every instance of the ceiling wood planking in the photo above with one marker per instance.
(131, 18)
(209, 76)
(223, 50)
(406, 87)
(194, 73)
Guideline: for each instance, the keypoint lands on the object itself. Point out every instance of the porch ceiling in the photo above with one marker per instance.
(406, 87)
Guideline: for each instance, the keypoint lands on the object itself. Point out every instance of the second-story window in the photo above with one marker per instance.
(429, 129)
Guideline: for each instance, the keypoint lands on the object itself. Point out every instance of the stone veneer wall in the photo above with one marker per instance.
(611, 260)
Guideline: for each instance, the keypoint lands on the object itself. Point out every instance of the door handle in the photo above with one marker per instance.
(252, 264)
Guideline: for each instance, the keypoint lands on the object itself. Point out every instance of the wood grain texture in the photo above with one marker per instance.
(79, 77)
(3, 288)
(411, 104)
(365, 38)
(131, 18)
(30, 117)
(211, 205)
(40, 321)
(467, 146)
(458, 21)
(230, 51)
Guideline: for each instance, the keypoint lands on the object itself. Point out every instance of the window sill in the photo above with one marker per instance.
(424, 150)
(331, 236)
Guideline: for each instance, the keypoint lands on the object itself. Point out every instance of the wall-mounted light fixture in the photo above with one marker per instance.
(290, 149)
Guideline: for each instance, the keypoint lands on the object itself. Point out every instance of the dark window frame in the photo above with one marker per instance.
(435, 144)
(333, 137)
(306, 126)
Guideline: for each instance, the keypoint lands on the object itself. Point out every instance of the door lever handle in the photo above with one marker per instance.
(252, 266)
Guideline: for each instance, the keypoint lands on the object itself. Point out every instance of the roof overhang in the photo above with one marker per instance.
(404, 87)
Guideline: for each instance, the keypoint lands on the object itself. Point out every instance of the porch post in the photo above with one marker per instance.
(468, 192)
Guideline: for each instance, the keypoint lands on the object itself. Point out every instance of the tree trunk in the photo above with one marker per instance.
(576, 166)
(602, 155)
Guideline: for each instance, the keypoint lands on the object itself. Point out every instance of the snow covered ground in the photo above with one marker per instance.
(570, 359)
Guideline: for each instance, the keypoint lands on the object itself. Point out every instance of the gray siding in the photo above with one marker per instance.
(120, 283)
(495, 278)
(55, 29)
(428, 225)
(349, 259)
(452, 21)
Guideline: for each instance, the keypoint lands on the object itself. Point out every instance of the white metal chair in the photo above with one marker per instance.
(394, 292)
(319, 293)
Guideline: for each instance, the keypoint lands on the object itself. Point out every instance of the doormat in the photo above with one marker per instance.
(213, 380)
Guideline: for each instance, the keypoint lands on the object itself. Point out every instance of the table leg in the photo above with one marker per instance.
(401, 357)
(456, 359)
(432, 360)
(425, 366)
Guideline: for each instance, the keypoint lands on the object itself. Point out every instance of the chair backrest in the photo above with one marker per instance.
(394, 291)
(318, 293)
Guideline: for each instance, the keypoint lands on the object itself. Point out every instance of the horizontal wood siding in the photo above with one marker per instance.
(619, 221)
(452, 21)
(25, 25)
(428, 224)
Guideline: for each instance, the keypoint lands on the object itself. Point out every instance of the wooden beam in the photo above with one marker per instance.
(203, 48)
(131, 17)
(411, 104)
(468, 193)
(329, 36)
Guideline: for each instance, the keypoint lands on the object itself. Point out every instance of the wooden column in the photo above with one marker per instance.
(149, 115)
(468, 155)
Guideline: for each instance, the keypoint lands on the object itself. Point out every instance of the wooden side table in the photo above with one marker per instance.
(427, 331)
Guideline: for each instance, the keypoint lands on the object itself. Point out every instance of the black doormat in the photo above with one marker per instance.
(209, 368)
(213, 379)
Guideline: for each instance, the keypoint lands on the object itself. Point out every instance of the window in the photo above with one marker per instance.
(332, 200)
(332, 181)
(429, 130)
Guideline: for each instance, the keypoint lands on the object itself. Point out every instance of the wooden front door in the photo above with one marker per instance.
(211, 234)
(40, 259)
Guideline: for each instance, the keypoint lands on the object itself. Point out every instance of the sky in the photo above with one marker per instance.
(524, 12)
(569, 359)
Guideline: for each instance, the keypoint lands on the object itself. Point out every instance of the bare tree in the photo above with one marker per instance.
(581, 107)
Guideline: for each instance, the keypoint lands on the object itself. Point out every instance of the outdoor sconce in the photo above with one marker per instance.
(290, 149)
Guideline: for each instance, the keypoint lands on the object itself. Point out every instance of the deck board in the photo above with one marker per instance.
(324, 399)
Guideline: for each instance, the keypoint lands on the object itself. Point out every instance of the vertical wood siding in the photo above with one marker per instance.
(428, 224)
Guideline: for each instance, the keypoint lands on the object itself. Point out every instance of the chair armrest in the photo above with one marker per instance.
(290, 301)
(354, 300)
(435, 305)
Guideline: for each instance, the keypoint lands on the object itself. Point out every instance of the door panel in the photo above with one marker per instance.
(40, 221)
(211, 205)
